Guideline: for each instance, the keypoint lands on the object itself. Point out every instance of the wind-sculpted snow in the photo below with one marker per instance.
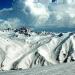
(19, 51)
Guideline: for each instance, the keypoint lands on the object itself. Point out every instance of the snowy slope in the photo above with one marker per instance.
(61, 69)
(24, 51)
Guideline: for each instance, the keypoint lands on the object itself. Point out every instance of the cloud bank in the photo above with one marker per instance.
(42, 14)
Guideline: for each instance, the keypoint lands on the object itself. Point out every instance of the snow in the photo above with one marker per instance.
(24, 52)
(61, 69)
(22, 49)
(15, 50)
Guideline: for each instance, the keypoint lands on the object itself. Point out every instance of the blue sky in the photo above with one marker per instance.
(52, 17)
(5, 4)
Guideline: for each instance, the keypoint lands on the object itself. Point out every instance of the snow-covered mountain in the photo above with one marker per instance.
(23, 51)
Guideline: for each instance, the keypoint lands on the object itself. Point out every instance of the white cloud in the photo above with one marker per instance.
(5, 9)
(37, 14)
(9, 23)
(38, 11)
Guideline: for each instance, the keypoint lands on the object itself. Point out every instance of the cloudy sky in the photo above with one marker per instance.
(37, 14)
